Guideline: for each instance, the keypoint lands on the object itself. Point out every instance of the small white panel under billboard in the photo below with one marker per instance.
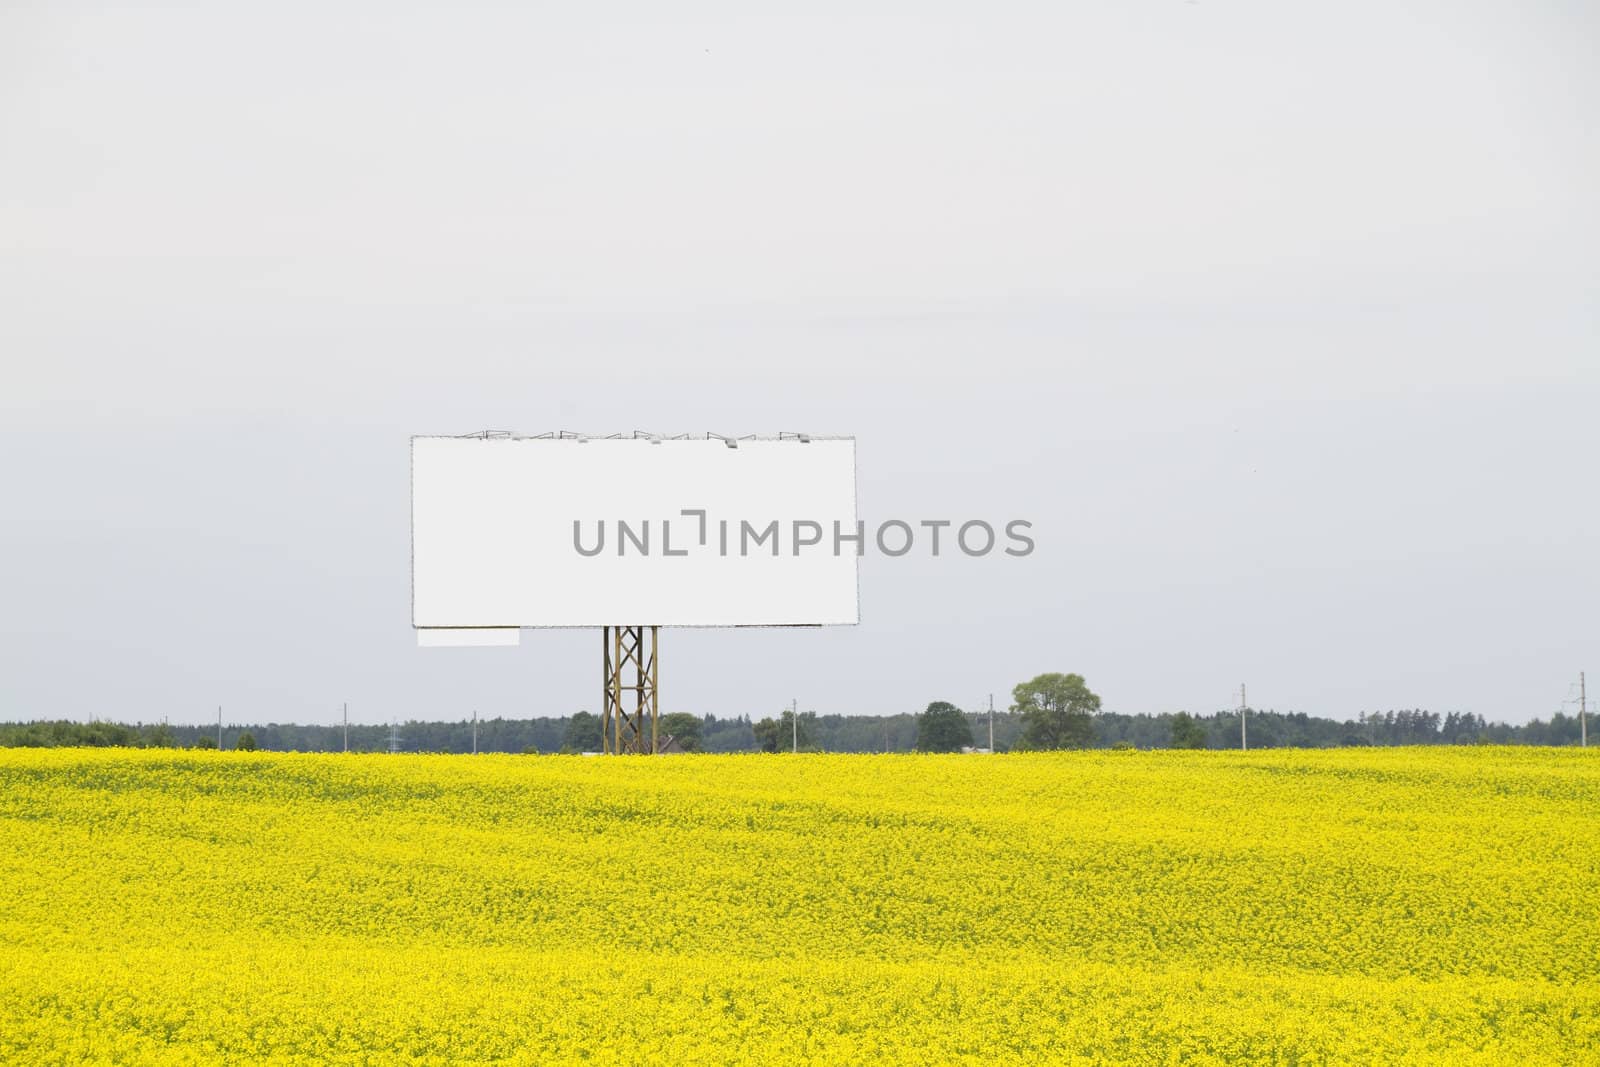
(566, 531)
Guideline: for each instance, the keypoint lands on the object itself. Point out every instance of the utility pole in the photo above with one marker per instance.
(1583, 714)
(219, 727)
(1244, 740)
(474, 732)
(794, 718)
(991, 724)
(347, 726)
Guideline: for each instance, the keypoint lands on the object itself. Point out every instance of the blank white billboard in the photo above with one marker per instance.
(564, 531)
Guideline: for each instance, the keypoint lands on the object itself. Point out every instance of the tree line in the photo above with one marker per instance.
(1050, 711)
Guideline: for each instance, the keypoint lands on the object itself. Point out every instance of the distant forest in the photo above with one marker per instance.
(828, 733)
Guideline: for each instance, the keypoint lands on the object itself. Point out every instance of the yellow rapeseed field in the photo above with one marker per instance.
(1352, 906)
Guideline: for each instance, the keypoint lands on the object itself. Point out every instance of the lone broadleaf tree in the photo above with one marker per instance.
(943, 728)
(584, 733)
(682, 727)
(1186, 732)
(1056, 711)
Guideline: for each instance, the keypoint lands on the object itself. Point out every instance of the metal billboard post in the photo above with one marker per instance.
(631, 690)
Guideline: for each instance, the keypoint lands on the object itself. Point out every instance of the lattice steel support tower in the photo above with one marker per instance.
(630, 690)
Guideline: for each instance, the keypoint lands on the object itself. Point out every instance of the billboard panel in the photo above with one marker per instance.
(563, 531)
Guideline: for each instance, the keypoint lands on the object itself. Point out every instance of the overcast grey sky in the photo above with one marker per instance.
(1279, 321)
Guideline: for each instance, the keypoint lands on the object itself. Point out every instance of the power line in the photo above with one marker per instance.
(1244, 740)
(1582, 700)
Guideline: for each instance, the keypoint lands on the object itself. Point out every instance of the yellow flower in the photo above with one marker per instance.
(1318, 907)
